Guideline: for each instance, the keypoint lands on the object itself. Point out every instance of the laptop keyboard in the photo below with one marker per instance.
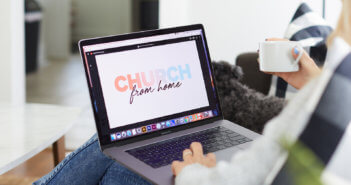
(163, 153)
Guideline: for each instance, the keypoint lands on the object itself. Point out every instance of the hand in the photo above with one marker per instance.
(194, 155)
(307, 68)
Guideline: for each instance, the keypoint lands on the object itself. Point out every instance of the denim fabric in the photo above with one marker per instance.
(119, 175)
(89, 166)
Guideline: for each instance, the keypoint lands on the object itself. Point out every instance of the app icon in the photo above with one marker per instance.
(134, 131)
(153, 127)
(195, 117)
(190, 118)
(172, 122)
(129, 133)
(199, 116)
(118, 135)
(210, 113)
(181, 120)
(158, 126)
(215, 112)
(143, 129)
(113, 137)
(186, 119)
(205, 114)
(148, 127)
(138, 130)
(124, 134)
(168, 123)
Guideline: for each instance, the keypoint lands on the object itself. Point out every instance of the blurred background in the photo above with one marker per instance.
(56, 75)
(40, 59)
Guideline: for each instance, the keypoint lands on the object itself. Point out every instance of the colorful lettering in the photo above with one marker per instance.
(150, 78)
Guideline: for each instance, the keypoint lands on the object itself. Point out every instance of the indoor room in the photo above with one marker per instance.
(175, 92)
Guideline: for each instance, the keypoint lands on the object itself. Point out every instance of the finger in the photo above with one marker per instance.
(296, 52)
(196, 147)
(211, 158)
(175, 165)
(178, 167)
(187, 155)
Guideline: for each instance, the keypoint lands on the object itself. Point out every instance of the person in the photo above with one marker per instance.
(87, 165)
(199, 169)
(308, 70)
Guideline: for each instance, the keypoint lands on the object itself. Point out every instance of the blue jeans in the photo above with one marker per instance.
(88, 165)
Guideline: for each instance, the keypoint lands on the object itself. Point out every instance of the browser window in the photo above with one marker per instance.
(151, 83)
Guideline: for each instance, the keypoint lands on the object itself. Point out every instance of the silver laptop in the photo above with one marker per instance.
(153, 93)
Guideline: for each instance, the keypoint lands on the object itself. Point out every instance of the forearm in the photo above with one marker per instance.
(258, 160)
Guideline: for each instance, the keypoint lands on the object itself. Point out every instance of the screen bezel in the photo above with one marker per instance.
(93, 41)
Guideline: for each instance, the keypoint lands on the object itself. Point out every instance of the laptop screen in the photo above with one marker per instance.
(149, 84)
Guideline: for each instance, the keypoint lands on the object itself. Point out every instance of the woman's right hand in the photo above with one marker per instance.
(307, 69)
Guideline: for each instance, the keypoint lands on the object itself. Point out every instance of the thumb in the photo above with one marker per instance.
(296, 52)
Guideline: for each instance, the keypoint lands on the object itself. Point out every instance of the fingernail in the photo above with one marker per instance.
(296, 51)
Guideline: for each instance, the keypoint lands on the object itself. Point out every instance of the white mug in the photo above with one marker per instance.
(275, 56)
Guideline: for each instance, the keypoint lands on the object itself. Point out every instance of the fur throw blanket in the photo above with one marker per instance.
(240, 104)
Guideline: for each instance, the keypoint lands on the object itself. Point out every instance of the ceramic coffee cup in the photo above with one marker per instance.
(275, 56)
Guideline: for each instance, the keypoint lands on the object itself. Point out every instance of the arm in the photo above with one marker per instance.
(256, 161)
(254, 164)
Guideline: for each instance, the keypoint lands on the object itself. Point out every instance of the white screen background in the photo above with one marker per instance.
(191, 95)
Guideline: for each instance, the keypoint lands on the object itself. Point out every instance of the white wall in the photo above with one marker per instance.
(56, 28)
(173, 13)
(333, 8)
(100, 18)
(91, 18)
(12, 52)
(233, 26)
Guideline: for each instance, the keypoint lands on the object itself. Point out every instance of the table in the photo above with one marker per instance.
(28, 129)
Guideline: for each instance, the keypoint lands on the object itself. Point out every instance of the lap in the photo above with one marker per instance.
(88, 165)
(119, 175)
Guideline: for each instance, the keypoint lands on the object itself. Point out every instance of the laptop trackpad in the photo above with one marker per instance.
(226, 154)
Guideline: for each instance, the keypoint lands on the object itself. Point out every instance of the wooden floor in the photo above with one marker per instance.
(63, 82)
(31, 170)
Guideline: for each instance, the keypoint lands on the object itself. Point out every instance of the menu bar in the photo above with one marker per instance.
(129, 42)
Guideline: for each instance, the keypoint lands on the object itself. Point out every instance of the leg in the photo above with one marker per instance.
(59, 150)
(86, 165)
(119, 175)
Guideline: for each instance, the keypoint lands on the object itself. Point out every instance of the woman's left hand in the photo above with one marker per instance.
(194, 155)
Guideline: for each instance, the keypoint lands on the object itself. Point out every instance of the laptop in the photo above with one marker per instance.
(153, 93)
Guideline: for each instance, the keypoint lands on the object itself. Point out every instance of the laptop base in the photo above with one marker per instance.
(163, 175)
